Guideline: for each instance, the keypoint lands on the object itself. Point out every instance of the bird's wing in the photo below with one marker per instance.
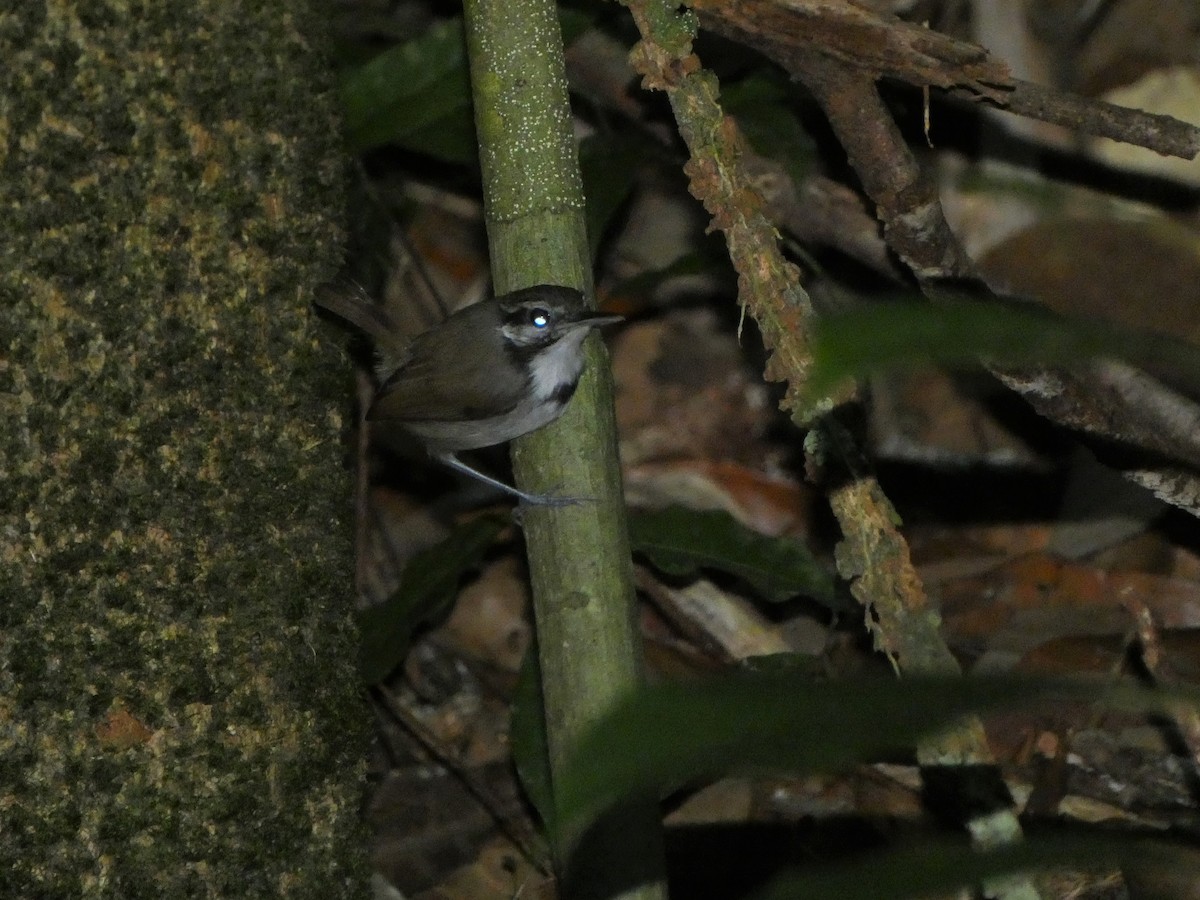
(442, 383)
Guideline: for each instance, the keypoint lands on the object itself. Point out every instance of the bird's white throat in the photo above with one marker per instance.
(559, 364)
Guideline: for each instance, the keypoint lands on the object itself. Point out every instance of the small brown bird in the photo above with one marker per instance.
(490, 372)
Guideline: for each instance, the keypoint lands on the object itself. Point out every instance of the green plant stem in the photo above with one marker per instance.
(579, 555)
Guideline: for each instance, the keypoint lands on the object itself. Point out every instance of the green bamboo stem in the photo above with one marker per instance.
(579, 555)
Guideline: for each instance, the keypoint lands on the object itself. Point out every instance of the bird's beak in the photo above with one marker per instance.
(594, 319)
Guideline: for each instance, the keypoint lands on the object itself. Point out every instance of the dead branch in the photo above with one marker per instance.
(816, 40)
(1162, 134)
(871, 45)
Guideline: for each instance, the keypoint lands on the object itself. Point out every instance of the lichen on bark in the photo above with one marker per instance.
(178, 712)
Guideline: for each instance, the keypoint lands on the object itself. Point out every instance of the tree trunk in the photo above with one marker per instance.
(179, 712)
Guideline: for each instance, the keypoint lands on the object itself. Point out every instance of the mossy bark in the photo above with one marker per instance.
(178, 704)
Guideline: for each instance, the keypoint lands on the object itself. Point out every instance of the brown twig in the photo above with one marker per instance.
(881, 46)
(1109, 401)
(1154, 659)
(865, 44)
(873, 556)
(1162, 134)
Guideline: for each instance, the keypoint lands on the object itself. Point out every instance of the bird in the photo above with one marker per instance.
(490, 372)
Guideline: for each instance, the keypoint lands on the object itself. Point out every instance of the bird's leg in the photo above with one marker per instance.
(449, 459)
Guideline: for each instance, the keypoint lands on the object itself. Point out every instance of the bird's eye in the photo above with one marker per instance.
(539, 318)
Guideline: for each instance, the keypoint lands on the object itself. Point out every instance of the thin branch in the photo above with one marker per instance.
(1162, 134)
(866, 44)
(1113, 402)
(877, 45)
(873, 555)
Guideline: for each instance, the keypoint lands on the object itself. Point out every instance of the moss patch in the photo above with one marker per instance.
(178, 704)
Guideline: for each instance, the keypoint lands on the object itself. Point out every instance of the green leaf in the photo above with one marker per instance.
(416, 95)
(902, 335)
(574, 22)
(527, 737)
(681, 541)
(665, 736)
(427, 586)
